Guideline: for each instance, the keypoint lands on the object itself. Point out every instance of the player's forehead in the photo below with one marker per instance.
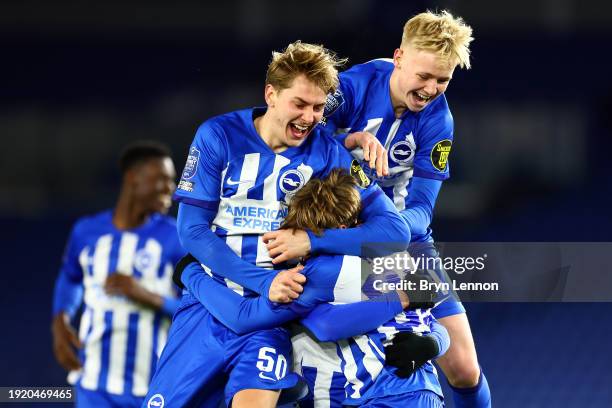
(158, 166)
(305, 91)
(429, 62)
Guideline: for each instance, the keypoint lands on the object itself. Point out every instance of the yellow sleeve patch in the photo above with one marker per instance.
(439, 154)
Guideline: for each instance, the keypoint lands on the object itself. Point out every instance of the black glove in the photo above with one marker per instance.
(420, 298)
(180, 267)
(409, 351)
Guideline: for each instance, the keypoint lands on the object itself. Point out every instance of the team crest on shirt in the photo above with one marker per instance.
(156, 401)
(403, 151)
(191, 166)
(291, 181)
(439, 154)
(143, 260)
(359, 175)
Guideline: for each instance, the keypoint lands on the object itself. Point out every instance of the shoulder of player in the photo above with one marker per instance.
(166, 221)
(92, 221)
(318, 267)
(218, 126)
(371, 67)
(361, 75)
(437, 114)
(439, 109)
(326, 142)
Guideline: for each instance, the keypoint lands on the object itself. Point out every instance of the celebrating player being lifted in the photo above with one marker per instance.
(398, 105)
(242, 170)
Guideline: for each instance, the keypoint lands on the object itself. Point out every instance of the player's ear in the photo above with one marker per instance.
(342, 226)
(397, 55)
(270, 94)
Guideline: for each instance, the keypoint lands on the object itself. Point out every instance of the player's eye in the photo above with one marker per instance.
(319, 108)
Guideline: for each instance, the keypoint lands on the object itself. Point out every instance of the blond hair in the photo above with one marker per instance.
(447, 36)
(317, 63)
(325, 203)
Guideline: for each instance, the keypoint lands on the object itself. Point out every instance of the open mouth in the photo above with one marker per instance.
(420, 97)
(299, 131)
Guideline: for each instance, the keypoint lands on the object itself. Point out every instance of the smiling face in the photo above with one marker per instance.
(153, 184)
(418, 78)
(293, 112)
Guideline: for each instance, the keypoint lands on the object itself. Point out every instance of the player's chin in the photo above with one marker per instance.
(162, 206)
(296, 138)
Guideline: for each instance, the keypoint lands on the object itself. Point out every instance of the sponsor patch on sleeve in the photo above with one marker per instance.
(359, 175)
(439, 154)
(186, 185)
(333, 102)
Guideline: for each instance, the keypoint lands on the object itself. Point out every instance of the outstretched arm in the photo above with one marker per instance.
(330, 322)
(381, 224)
(240, 314)
(327, 321)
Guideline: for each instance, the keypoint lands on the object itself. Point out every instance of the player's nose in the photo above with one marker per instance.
(308, 114)
(431, 87)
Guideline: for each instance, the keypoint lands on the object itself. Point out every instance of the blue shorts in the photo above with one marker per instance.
(99, 399)
(205, 363)
(450, 304)
(418, 399)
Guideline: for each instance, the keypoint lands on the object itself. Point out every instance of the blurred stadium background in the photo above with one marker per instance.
(82, 79)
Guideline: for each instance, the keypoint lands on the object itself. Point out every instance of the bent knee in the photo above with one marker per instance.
(462, 373)
(460, 367)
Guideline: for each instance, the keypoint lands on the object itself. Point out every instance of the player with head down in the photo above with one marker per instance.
(242, 170)
(398, 106)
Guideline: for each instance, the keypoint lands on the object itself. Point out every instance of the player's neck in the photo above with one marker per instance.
(265, 128)
(128, 213)
(396, 102)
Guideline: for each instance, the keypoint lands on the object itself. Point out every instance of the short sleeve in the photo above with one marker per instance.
(434, 138)
(70, 259)
(200, 182)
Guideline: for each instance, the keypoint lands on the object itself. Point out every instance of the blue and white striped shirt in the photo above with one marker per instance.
(122, 340)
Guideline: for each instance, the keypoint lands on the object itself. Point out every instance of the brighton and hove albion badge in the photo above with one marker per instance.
(439, 154)
(291, 181)
(401, 152)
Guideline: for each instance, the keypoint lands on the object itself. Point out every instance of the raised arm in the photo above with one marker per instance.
(381, 224)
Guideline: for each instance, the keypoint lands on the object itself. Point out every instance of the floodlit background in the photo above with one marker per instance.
(530, 161)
